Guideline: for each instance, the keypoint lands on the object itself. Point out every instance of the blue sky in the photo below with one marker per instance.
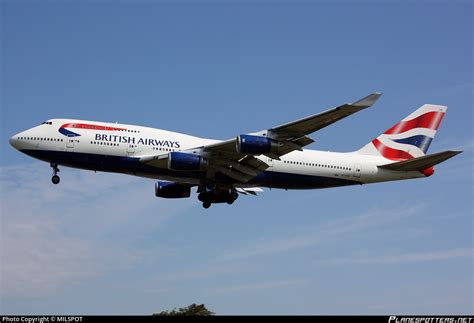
(103, 244)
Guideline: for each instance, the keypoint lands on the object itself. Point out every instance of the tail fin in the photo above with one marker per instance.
(409, 138)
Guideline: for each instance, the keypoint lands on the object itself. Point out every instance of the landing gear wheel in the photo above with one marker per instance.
(232, 197)
(55, 179)
(210, 185)
(206, 205)
(201, 197)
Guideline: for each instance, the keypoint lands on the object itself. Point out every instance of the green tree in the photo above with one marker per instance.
(191, 310)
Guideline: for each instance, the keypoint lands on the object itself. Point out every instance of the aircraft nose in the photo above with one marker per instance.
(13, 141)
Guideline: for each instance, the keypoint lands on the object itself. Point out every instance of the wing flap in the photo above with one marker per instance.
(241, 170)
(254, 163)
(249, 190)
(233, 173)
(421, 163)
(303, 141)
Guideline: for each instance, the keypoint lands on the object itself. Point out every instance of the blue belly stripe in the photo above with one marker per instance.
(132, 165)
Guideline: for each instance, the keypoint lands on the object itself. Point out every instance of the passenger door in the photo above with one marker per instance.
(357, 170)
(70, 143)
(130, 149)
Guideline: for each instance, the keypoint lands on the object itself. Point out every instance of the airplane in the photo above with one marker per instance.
(271, 158)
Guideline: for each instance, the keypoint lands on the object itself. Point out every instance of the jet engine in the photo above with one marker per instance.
(256, 145)
(171, 190)
(186, 162)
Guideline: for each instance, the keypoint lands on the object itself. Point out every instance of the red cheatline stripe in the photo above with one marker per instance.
(390, 153)
(89, 126)
(429, 120)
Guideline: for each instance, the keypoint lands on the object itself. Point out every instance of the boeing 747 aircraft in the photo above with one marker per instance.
(272, 158)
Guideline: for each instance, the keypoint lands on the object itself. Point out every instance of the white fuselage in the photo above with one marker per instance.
(118, 147)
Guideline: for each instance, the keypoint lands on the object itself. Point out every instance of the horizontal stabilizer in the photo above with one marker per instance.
(421, 163)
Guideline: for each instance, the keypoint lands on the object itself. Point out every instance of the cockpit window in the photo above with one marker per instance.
(47, 122)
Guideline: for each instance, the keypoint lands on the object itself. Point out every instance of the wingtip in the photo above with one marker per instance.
(368, 101)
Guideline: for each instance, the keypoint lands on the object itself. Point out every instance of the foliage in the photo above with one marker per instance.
(191, 310)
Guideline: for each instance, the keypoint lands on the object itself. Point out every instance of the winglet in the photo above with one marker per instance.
(368, 101)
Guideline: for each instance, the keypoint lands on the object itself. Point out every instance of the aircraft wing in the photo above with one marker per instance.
(239, 167)
(318, 121)
(229, 158)
(292, 136)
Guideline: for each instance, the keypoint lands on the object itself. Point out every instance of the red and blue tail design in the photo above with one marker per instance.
(410, 137)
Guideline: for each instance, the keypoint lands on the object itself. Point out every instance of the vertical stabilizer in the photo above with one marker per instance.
(409, 138)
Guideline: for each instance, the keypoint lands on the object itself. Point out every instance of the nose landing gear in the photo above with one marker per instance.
(55, 179)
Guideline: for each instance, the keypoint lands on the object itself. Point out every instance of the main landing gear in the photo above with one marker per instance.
(211, 193)
(55, 179)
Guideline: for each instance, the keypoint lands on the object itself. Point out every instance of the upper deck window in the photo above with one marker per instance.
(47, 122)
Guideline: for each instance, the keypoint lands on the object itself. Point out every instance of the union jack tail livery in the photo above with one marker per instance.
(409, 138)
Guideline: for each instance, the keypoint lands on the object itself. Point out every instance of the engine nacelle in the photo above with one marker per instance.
(171, 190)
(186, 162)
(256, 145)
